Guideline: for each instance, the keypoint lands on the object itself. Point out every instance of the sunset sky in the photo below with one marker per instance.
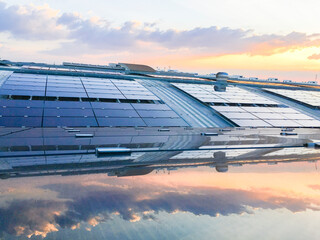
(275, 38)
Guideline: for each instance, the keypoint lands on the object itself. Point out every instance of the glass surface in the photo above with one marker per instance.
(115, 113)
(22, 92)
(69, 121)
(20, 103)
(66, 104)
(143, 106)
(20, 112)
(151, 122)
(68, 112)
(113, 121)
(20, 121)
(65, 94)
(105, 95)
(111, 105)
(160, 114)
(65, 191)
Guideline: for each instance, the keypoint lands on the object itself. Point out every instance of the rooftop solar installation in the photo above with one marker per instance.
(262, 112)
(207, 94)
(33, 100)
(311, 98)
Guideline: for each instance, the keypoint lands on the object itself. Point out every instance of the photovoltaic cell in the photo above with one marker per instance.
(115, 113)
(158, 114)
(69, 121)
(20, 103)
(70, 112)
(105, 122)
(158, 122)
(20, 121)
(20, 112)
(66, 104)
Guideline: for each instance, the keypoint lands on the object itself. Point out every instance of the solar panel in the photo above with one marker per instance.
(158, 122)
(20, 112)
(65, 104)
(105, 105)
(232, 95)
(115, 113)
(251, 122)
(69, 121)
(160, 114)
(70, 112)
(105, 122)
(20, 121)
(66, 94)
(20, 103)
(141, 106)
(309, 97)
(283, 123)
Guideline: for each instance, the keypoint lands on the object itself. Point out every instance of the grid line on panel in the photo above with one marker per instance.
(94, 114)
(226, 100)
(45, 94)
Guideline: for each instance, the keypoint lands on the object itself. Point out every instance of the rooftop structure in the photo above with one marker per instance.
(84, 95)
(118, 151)
(137, 67)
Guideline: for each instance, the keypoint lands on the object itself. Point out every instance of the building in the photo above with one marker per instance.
(123, 95)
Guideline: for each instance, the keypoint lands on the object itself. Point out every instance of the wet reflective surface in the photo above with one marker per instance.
(174, 183)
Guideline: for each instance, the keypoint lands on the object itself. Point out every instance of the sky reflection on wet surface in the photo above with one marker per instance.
(264, 193)
(188, 203)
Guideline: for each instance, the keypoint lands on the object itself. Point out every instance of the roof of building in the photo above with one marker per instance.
(137, 67)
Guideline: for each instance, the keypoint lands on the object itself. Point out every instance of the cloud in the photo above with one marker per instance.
(30, 217)
(79, 35)
(89, 205)
(30, 22)
(314, 187)
(314, 57)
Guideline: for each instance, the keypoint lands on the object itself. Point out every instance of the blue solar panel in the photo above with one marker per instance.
(21, 103)
(70, 112)
(65, 94)
(153, 122)
(115, 113)
(20, 112)
(149, 113)
(142, 97)
(20, 121)
(111, 105)
(21, 92)
(60, 89)
(104, 95)
(69, 121)
(23, 87)
(141, 106)
(105, 122)
(65, 104)
(103, 91)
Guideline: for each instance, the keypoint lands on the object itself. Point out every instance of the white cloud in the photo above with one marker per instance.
(78, 35)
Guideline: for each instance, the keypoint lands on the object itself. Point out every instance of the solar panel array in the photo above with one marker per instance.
(267, 116)
(309, 97)
(50, 101)
(72, 70)
(247, 108)
(206, 93)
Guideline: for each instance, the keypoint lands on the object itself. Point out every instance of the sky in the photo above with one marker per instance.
(195, 203)
(254, 38)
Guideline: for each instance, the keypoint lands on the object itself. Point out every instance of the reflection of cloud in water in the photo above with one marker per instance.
(30, 217)
(92, 204)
